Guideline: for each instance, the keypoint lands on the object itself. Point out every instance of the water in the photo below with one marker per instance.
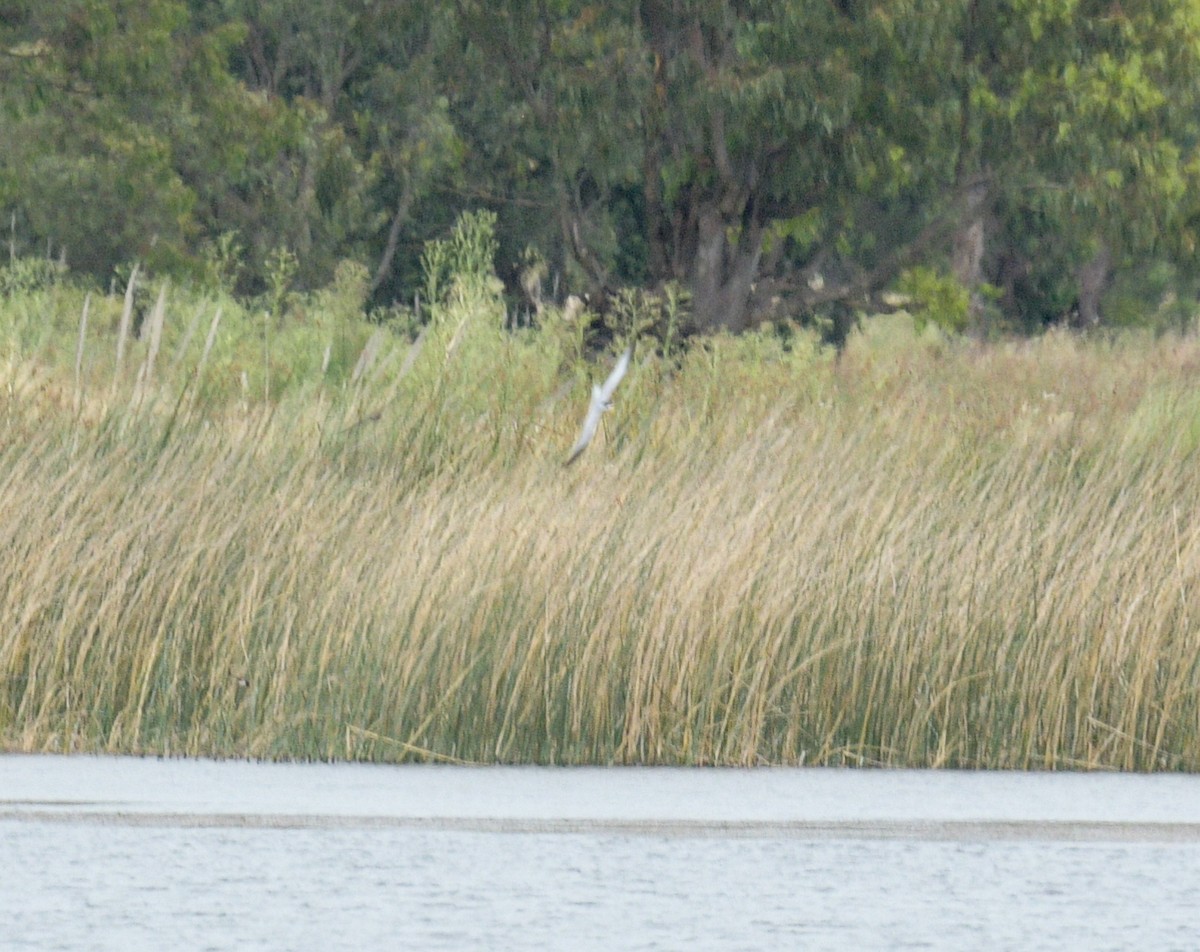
(132, 854)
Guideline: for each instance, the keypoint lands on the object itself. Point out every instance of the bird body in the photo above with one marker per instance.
(601, 401)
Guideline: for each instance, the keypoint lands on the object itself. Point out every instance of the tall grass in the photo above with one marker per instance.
(923, 553)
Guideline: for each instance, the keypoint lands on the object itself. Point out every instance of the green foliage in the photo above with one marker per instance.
(281, 268)
(803, 230)
(222, 262)
(1083, 117)
(23, 275)
(721, 147)
(464, 263)
(937, 299)
(1158, 297)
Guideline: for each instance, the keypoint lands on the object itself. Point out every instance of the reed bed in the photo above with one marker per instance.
(924, 553)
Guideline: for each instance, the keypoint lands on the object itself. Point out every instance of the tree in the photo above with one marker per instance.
(547, 92)
(1073, 136)
(811, 150)
(753, 124)
(132, 134)
(773, 156)
(88, 162)
(376, 137)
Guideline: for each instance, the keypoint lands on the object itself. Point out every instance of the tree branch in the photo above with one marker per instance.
(403, 208)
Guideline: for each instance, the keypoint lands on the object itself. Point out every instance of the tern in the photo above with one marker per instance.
(601, 401)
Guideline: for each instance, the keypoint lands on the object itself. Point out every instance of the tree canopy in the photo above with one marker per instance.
(771, 157)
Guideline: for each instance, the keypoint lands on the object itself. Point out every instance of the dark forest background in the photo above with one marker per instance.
(1003, 165)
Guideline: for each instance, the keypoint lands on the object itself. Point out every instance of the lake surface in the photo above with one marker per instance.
(143, 854)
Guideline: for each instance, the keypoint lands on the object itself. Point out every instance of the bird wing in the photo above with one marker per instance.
(590, 424)
(614, 378)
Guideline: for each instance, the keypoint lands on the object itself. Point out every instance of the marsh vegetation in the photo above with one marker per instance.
(336, 539)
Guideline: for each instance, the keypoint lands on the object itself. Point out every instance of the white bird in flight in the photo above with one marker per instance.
(601, 401)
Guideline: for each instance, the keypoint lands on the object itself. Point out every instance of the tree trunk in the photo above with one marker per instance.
(403, 207)
(723, 272)
(653, 121)
(966, 257)
(1093, 282)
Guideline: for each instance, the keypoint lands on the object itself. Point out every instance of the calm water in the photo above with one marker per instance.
(131, 854)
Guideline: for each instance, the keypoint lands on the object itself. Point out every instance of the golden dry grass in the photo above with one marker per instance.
(921, 554)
